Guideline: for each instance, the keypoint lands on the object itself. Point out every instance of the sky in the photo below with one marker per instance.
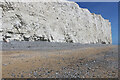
(108, 10)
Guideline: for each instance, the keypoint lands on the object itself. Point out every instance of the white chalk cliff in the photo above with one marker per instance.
(53, 22)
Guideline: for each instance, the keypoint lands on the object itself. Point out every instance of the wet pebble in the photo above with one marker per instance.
(13, 75)
(35, 73)
(4, 64)
(89, 68)
(56, 73)
(22, 76)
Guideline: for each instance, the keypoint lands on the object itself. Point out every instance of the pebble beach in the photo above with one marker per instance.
(59, 60)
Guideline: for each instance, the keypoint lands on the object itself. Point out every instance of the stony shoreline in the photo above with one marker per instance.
(43, 45)
(59, 60)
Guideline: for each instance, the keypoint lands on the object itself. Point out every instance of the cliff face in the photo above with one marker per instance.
(54, 22)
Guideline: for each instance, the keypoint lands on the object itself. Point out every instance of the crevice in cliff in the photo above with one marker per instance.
(68, 38)
(6, 6)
